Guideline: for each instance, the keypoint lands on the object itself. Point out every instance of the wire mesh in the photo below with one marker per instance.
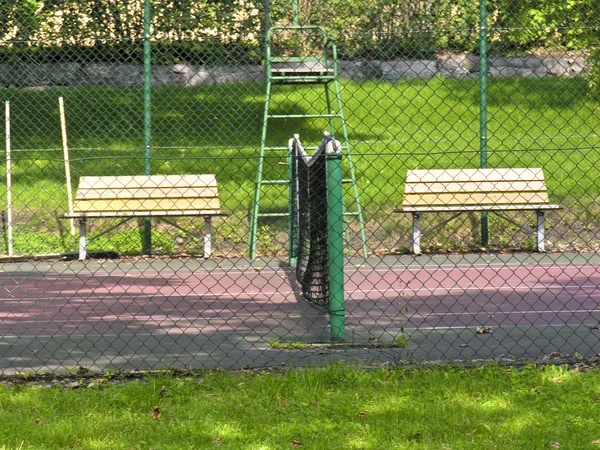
(435, 86)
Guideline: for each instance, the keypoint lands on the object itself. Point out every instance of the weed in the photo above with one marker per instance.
(402, 341)
(288, 345)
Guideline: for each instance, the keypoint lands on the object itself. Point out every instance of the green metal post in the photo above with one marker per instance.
(293, 227)
(147, 239)
(483, 143)
(336, 246)
(254, 212)
(267, 21)
(295, 12)
(346, 145)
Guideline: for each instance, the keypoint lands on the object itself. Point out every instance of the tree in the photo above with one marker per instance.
(19, 20)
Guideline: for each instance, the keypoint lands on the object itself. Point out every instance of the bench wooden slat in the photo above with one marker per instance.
(467, 208)
(141, 193)
(178, 193)
(475, 198)
(475, 186)
(157, 213)
(146, 182)
(181, 204)
(462, 175)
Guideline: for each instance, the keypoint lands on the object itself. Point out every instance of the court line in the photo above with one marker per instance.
(509, 313)
(166, 318)
(272, 271)
(117, 296)
(449, 267)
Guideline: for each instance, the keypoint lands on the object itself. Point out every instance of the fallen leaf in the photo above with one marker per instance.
(483, 330)
(596, 442)
(554, 444)
(295, 443)
(415, 437)
(471, 434)
(281, 401)
(156, 412)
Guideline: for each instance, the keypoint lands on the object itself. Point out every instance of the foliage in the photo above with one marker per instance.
(105, 30)
(19, 19)
(553, 25)
(200, 30)
(412, 29)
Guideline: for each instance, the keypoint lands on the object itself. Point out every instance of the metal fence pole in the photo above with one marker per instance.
(147, 238)
(267, 19)
(336, 246)
(483, 60)
(295, 13)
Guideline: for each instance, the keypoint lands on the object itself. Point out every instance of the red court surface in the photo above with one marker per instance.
(433, 302)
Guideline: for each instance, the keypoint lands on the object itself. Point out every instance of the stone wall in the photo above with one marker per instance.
(456, 66)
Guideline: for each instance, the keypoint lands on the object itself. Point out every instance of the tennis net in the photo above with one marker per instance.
(309, 225)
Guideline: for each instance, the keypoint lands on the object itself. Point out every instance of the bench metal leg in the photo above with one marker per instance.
(416, 235)
(82, 240)
(540, 231)
(207, 237)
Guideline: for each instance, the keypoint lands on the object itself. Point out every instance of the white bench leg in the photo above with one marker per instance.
(207, 237)
(416, 235)
(82, 241)
(540, 231)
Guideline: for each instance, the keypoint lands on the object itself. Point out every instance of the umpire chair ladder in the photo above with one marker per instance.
(301, 71)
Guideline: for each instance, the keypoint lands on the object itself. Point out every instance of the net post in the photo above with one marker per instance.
(336, 245)
(293, 200)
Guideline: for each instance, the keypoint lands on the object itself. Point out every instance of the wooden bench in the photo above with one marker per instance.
(158, 196)
(463, 190)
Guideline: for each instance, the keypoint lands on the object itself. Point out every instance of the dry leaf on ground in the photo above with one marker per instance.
(483, 330)
(156, 412)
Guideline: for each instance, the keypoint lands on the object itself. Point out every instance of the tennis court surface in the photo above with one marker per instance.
(153, 313)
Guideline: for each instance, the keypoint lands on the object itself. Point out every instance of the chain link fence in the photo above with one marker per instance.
(178, 88)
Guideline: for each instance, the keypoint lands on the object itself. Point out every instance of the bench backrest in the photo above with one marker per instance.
(147, 193)
(470, 187)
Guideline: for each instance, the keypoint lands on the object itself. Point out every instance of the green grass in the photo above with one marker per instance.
(338, 407)
(549, 122)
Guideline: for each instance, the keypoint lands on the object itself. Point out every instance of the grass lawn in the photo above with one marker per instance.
(549, 122)
(338, 407)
